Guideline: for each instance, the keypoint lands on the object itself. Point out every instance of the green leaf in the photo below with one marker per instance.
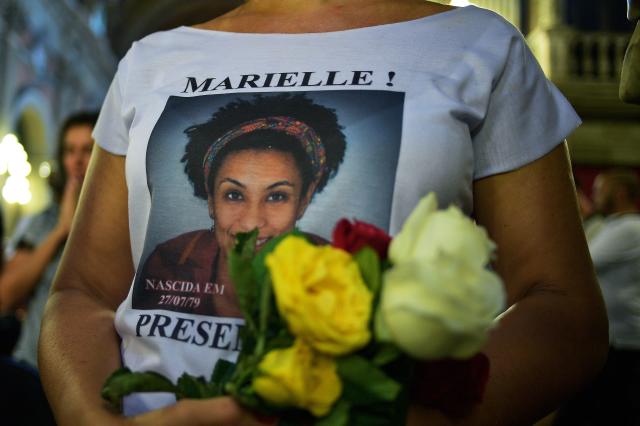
(385, 265)
(364, 383)
(266, 321)
(265, 304)
(222, 373)
(193, 387)
(385, 354)
(391, 413)
(247, 340)
(123, 382)
(369, 264)
(247, 397)
(338, 416)
(380, 414)
(122, 371)
(246, 243)
(279, 337)
(240, 271)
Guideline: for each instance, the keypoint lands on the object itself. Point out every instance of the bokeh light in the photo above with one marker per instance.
(14, 160)
(44, 170)
(16, 190)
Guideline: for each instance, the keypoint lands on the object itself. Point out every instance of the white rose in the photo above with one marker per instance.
(429, 231)
(441, 308)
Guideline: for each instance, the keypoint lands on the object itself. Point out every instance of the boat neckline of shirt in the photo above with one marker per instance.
(435, 16)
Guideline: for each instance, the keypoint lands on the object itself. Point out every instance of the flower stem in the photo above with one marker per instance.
(265, 308)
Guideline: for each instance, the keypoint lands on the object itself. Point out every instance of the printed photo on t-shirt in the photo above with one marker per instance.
(219, 165)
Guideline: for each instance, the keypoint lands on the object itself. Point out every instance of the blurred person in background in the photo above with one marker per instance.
(591, 218)
(35, 249)
(9, 324)
(613, 398)
(616, 254)
(22, 400)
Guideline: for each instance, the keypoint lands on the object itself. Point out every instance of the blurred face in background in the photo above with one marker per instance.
(77, 151)
(584, 204)
(603, 195)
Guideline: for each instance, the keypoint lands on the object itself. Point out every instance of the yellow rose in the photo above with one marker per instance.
(440, 308)
(429, 231)
(299, 377)
(321, 294)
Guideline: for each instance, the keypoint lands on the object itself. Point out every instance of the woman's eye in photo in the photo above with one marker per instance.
(233, 196)
(278, 197)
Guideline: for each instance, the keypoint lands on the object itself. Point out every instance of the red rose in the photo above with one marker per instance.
(352, 237)
(453, 386)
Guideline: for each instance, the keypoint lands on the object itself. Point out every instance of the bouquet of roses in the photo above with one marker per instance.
(332, 332)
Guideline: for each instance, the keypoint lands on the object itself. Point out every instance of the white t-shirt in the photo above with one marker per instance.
(430, 104)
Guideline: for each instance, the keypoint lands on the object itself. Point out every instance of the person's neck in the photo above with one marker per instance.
(296, 4)
(308, 16)
(289, 6)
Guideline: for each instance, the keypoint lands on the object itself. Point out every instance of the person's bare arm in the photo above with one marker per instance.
(25, 268)
(553, 338)
(79, 347)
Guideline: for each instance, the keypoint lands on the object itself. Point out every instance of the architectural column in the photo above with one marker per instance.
(547, 13)
(509, 9)
(550, 38)
(7, 11)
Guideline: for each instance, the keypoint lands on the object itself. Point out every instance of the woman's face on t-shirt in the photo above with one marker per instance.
(256, 189)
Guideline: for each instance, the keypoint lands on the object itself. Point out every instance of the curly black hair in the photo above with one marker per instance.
(322, 120)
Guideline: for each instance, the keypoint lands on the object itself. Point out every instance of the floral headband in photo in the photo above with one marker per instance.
(308, 138)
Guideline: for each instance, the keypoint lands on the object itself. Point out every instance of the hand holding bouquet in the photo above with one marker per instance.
(331, 330)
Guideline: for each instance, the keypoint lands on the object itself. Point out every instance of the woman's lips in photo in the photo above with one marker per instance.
(261, 241)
